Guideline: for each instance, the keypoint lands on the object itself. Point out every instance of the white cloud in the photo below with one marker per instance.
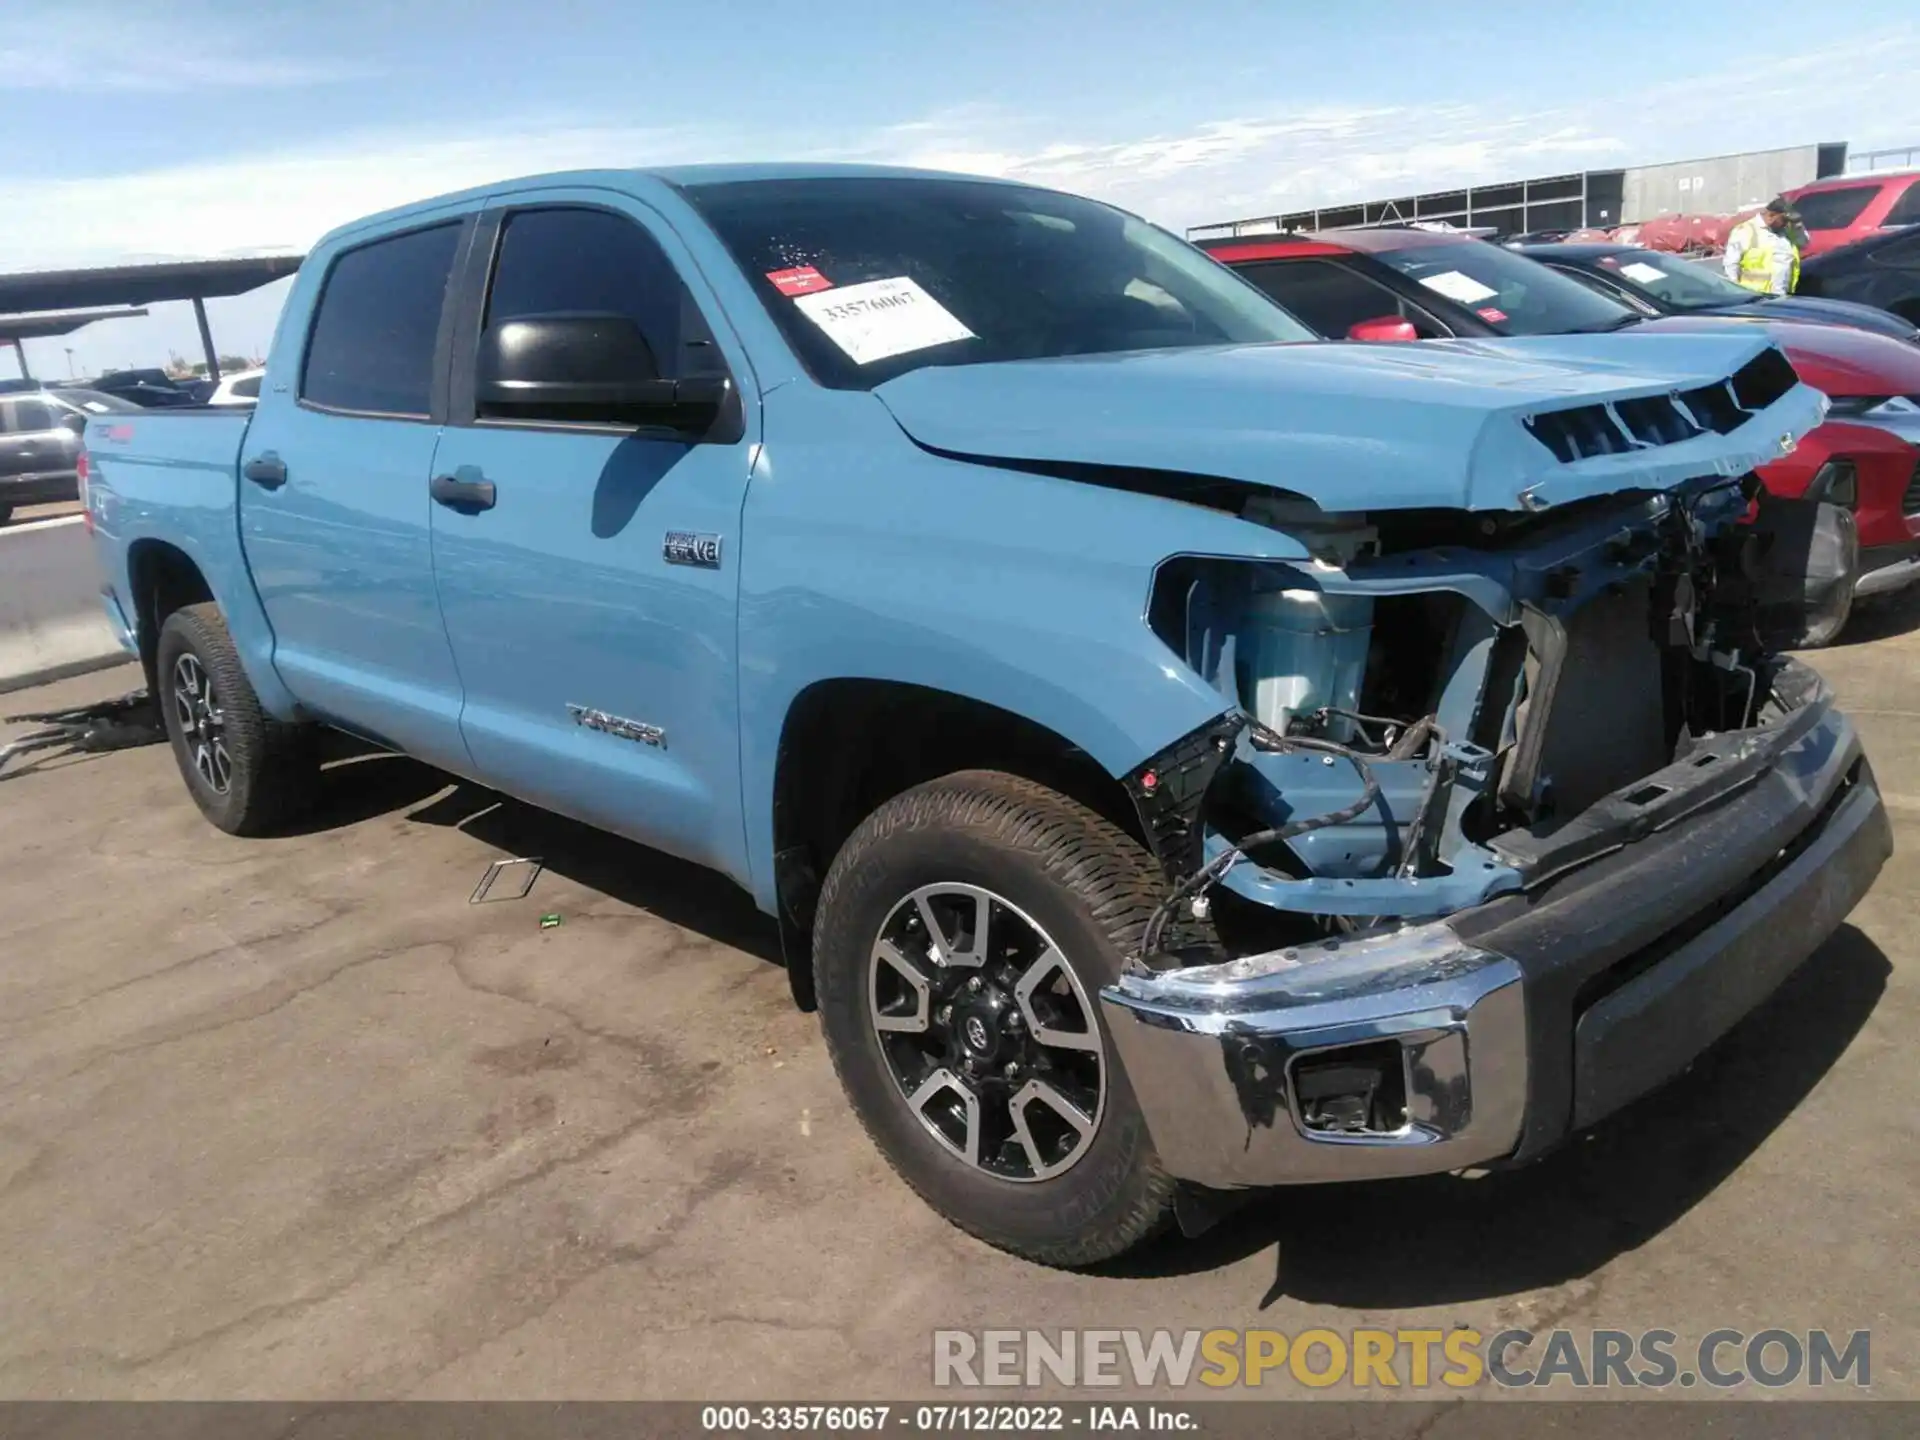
(91, 48)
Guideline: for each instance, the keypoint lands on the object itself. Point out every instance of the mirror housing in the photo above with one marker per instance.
(1383, 328)
(588, 368)
(74, 420)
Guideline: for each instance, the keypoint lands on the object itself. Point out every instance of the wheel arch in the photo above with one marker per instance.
(161, 578)
(849, 745)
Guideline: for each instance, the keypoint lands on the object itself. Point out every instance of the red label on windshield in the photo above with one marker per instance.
(801, 280)
(1491, 315)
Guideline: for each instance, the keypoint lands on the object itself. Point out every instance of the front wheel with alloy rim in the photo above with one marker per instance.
(962, 938)
(249, 773)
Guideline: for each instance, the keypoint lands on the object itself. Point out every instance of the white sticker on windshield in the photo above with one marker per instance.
(1646, 274)
(1456, 286)
(881, 318)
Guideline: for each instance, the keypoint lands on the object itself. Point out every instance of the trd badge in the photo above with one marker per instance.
(687, 547)
(618, 726)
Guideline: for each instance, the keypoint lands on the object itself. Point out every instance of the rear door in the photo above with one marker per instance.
(334, 506)
(592, 606)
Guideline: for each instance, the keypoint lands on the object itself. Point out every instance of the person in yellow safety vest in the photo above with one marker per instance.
(1761, 252)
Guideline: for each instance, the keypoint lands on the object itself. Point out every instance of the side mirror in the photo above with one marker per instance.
(1385, 327)
(75, 421)
(587, 367)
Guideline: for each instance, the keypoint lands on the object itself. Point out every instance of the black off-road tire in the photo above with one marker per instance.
(1091, 888)
(273, 772)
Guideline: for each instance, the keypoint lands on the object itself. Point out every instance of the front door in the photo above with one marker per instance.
(334, 507)
(592, 603)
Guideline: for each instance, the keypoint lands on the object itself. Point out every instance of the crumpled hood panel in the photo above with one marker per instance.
(1353, 426)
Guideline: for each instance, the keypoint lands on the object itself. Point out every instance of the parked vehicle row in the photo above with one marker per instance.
(1659, 284)
(40, 443)
(1398, 284)
(1179, 754)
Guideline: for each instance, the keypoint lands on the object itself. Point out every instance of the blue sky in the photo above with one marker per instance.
(199, 127)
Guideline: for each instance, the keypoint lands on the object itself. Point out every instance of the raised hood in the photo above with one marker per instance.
(1477, 425)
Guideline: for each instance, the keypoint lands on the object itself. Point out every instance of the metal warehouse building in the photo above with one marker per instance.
(1596, 198)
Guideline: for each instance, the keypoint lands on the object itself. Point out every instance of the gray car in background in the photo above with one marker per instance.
(40, 443)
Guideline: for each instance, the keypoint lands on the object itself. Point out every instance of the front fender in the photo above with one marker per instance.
(868, 558)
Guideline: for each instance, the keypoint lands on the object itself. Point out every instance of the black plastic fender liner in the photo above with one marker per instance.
(1169, 792)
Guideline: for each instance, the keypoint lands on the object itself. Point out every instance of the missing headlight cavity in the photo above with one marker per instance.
(1300, 659)
(1413, 637)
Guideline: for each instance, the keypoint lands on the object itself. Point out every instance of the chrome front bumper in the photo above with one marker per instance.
(1885, 579)
(1524, 1019)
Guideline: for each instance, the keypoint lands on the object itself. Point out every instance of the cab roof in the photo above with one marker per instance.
(674, 177)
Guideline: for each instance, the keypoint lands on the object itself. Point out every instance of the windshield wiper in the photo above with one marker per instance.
(1612, 325)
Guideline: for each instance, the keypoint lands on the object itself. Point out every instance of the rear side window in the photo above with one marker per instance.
(379, 317)
(248, 389)
(1333, 299)
(1834, 209)
(25, 417)
(1906, 210)
(570, 261)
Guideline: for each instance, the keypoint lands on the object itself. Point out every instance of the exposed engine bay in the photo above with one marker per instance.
(1437, 707)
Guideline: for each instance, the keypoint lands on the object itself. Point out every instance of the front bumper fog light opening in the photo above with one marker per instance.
(1354, 1091)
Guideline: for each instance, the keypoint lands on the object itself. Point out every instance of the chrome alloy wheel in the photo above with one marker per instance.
(203, 726)
(988, 1034)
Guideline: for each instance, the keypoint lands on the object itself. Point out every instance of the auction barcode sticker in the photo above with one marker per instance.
(879, 319)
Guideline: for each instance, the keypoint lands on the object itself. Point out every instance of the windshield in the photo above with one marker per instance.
(869, 277)
(1513, 294)
(1674, 283)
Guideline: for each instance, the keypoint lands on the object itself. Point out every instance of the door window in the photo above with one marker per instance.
(374, 334)
(1333, 299)
(573, 261)
(1906, 210)
(25, 417)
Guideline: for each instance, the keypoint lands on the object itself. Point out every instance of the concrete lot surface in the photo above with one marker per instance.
(291, 1118)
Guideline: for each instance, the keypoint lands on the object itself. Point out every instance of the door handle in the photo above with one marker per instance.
(468, 496)
(267, 470)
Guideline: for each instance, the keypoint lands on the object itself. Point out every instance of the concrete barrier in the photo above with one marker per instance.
(51, 622)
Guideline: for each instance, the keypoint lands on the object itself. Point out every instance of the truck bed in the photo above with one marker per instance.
(164, 482)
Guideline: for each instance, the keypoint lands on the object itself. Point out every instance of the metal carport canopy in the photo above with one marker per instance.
(16, 328)
(193, 280)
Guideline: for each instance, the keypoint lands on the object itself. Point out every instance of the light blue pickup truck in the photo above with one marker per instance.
(1182, 756)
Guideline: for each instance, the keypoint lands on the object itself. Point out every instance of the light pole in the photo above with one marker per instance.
(69, 350)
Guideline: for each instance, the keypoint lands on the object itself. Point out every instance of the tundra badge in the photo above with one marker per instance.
(618, 726)
(685, 547)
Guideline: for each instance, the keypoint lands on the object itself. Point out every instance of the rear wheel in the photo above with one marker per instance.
(963, 935)
(249, 773)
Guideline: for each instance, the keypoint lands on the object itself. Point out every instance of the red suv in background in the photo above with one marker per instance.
(1851, 207)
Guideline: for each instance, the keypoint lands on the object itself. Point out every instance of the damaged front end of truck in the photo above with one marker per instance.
(1514, 810)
